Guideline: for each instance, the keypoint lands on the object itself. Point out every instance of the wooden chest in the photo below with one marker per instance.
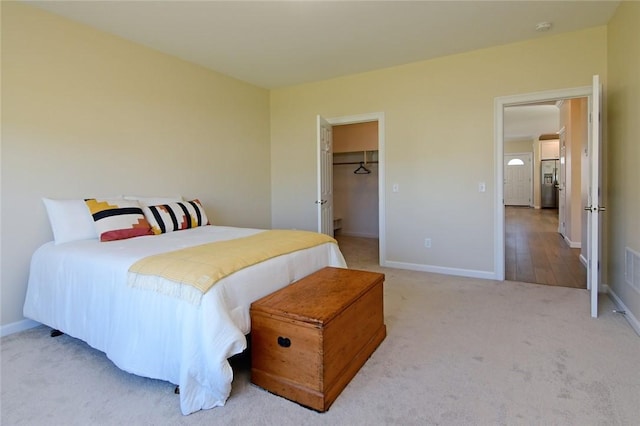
(309, 339)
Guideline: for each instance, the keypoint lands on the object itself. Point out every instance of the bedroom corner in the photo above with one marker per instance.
(87, 114)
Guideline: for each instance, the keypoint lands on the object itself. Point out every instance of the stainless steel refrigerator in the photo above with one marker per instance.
(549, 183)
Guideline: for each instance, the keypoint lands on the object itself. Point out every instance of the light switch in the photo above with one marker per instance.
(482, 187)
(396, 187)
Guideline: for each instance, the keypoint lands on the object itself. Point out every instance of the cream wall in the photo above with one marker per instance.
(573, 117)
(623, 203)
(355, 137)
(519, 146)
(579, 141)
(88, 114)
(439, 140)
(85, 113)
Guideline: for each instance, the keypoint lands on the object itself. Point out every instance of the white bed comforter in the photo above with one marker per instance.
(81, 288)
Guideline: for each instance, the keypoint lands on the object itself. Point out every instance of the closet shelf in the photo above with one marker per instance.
(355, 162)
(363, 162)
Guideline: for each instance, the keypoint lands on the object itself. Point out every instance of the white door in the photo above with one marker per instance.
(562, 185)
(325, 177)
(517, 179)
(594, 206)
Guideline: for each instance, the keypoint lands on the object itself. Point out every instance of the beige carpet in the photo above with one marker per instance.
(459, 352)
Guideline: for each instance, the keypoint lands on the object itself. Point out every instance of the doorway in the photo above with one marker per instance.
(355, 180)
(543, 243)
(560, 185)
(525, 99)
(380, 166)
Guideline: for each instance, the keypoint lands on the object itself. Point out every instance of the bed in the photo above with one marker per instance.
(83, 288)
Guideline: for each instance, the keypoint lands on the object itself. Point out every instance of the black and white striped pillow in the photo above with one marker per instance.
(171, 217)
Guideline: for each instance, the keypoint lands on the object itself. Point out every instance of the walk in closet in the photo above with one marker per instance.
(355, 179)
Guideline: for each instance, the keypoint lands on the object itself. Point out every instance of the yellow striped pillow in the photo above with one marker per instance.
(117, 219)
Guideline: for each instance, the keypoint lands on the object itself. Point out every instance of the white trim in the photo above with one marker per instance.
(319, 120)
(360, 118)
(471, 273)
(499, 104)
(583, 260)
(633, 321)
(16, 327)
(363, 118)
(572, 244)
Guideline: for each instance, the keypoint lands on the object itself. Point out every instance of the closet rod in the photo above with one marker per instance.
(355, 162)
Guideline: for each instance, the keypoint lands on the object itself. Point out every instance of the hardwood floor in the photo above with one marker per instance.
(535, 252)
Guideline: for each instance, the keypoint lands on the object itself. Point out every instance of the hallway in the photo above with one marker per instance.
(535, 252)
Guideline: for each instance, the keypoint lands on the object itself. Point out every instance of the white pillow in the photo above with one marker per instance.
(70, 220)
(153, 201)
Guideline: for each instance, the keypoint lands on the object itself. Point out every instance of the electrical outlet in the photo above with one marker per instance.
(427, 242)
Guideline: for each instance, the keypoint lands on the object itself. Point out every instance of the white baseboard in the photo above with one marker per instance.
(487, 275)
(573, 244)
(583, 260)
(633, 321)
(16, 327)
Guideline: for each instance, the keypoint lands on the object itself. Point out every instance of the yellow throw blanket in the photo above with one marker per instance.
(204, 265)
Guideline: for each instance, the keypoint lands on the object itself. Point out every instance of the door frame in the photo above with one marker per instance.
(363, 118)
(562, 184)
(499, 104)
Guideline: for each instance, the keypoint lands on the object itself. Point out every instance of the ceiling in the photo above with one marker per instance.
(528, 122)
(274, 44)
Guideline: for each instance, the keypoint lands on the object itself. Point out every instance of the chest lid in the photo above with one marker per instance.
(319, 297)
